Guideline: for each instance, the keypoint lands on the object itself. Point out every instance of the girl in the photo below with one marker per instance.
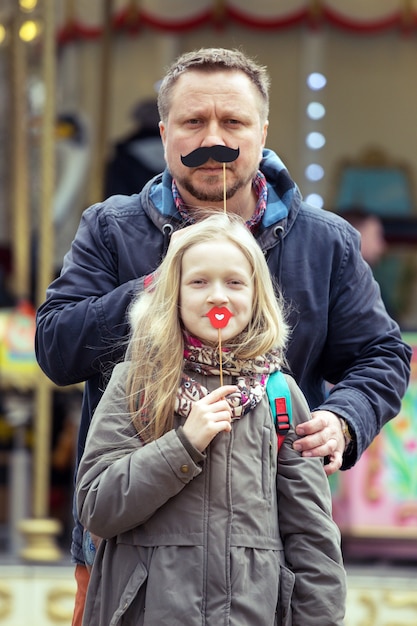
(203, 523)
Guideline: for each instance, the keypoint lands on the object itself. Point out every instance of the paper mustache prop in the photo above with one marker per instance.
(199, 156)
(221, 154)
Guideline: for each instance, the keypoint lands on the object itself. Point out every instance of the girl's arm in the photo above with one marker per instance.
(120, 482)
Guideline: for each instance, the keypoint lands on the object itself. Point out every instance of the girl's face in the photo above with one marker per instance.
(215, 274)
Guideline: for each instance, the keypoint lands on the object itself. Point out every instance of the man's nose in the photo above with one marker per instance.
(213, 136)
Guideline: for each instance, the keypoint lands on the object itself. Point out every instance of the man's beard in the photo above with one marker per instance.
(216, 194)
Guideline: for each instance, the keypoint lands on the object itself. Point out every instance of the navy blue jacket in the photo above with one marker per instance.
(341, 332)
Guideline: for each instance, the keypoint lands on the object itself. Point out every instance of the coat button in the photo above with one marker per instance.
(185, 469)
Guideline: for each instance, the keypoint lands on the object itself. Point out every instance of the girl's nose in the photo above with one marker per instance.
(218, 295)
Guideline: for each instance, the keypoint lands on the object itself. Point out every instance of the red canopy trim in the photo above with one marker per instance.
(267, 23)
(403, 16)
(133, 20)
(365, 26)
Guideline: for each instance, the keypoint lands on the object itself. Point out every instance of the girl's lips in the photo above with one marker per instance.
(219, 316)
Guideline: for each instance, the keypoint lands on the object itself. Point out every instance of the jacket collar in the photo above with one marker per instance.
(284, 197)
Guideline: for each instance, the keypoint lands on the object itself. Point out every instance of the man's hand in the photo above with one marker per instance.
(322, 436)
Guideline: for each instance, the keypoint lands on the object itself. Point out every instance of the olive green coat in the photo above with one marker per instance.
(214, 539)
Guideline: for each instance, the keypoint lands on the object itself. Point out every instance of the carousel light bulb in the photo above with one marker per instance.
(28, 5)
(29, 30)
(3, 34)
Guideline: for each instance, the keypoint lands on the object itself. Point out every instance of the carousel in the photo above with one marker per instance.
(57, 140)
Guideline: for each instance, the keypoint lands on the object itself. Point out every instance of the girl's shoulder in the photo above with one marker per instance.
(299, 406)
(117, 375)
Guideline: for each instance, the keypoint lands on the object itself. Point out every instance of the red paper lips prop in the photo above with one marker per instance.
(219, 316)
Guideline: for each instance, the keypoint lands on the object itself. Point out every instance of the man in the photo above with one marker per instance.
(340, 329)
(138, 157)
(371, 229)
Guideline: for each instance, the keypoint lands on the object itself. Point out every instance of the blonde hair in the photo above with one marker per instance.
(211, 60)
(157, 345)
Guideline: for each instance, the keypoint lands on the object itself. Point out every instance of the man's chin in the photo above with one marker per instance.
(204, 193)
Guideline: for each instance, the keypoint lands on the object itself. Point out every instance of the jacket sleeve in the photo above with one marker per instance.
(365, 357)
(342, 331)
(83, 320)
(310, 536)
(118, 475)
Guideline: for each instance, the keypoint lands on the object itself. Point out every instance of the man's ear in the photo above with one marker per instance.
(265, 133)
(162, 131)
(263, 138)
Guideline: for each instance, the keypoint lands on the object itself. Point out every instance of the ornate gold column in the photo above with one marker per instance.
(20, 217)
(102, 113)
(40, 531)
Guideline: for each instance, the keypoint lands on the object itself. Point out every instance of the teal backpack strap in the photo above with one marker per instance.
(280, 402)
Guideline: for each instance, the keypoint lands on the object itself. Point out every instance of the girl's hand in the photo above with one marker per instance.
(208, 417)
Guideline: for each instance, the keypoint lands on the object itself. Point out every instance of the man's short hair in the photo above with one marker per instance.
(209, 60)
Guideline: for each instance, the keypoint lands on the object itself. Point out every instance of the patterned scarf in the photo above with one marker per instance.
(249, 375)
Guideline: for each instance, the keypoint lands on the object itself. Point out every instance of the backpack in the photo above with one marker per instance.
(280, 402)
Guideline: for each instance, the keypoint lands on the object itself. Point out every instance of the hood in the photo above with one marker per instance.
(284, 197)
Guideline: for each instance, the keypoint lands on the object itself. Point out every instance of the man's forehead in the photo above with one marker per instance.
(202, 87)
(198, 79)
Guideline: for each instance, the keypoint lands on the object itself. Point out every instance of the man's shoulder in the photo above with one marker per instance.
(117, 204)
(309, 216)
(321, 215)
(117, 210)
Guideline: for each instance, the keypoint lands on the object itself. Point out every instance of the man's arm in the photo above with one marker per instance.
(364, 359)
(83, 321)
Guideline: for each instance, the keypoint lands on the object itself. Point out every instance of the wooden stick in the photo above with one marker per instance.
(224, 187)
(220, 357)
(220, 335)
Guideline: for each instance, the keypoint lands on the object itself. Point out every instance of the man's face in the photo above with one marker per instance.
(207, 109)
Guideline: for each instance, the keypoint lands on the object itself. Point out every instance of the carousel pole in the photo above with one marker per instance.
(104, 98)
(20, 182)
(19, 417)
(46, 251)
(40, 531)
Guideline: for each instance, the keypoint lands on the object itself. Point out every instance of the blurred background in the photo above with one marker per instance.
(78, 82)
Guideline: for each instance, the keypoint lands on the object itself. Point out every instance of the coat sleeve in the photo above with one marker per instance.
(121, 483)
(310, 536)
(83, 320)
